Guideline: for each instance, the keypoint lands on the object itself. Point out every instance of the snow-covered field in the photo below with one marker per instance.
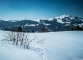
(66, 45)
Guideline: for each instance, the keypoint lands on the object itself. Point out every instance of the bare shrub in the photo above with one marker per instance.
(23, 38)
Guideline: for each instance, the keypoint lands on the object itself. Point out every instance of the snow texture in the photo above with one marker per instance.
(67, 45)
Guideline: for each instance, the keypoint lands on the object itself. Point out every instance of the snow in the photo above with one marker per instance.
(45, 23)
(30, 25)
(59, 20)
(37, 20)
(80, 25)
(67, 25)
(81, 19)
(66, 45)
(72, 18)
(13, 20)
(62, 16)
(37, 24)
(50, 19)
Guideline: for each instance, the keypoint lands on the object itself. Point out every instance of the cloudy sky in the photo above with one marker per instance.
(36, 9)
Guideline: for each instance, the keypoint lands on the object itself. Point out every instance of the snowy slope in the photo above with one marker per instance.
(8, 51)
(67, 45)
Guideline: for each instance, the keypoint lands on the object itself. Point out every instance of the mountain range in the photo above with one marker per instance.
(60, 23)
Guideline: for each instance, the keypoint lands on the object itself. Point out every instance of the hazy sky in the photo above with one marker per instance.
(35, 9)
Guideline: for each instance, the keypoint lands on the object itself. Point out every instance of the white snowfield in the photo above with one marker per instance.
(66, 45)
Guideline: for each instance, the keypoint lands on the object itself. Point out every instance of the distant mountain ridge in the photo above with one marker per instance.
(60, 23)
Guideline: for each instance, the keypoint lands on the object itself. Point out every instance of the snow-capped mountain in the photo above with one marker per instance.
(60, 23)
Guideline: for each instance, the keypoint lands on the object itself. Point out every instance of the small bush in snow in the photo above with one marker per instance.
(22, 38)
